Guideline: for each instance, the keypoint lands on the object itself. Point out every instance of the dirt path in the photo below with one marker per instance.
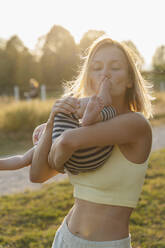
(18, 181)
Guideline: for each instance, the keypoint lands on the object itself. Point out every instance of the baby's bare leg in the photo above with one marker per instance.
(94, 109)
(97, 103)
(104, 92)
(92, 112)
(83, 102)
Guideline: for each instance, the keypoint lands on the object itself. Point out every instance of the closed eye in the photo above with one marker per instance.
(96, 67)
(115, 68)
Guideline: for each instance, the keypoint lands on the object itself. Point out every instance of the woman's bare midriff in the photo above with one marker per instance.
(98, 222)
(101, 222)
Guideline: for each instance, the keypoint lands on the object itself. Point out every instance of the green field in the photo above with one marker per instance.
(31, 219)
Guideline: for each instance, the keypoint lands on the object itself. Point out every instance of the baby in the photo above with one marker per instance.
(92, 109)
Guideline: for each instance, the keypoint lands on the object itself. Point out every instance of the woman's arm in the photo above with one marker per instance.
(60, 152)
(40, 170)
(128, 128)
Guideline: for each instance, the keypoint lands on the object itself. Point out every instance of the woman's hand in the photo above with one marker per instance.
(66, 105)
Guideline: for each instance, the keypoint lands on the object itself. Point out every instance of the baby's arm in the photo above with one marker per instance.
(17, 162)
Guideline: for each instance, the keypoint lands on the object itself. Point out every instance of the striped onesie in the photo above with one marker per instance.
(82, 160)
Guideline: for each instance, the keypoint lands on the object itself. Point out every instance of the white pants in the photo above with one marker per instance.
(65, 239)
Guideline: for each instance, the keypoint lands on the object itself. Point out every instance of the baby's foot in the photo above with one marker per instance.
(82, 106)
(93, 109)
(104, 92)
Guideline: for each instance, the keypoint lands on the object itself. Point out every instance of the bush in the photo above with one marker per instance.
(24, 116)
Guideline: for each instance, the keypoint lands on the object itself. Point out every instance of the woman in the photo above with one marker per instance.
(105, 198)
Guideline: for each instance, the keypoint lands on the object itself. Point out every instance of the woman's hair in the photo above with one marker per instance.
(138, 96)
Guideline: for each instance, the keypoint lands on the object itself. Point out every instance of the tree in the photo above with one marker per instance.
(4, 71)
(14, 50)
(158, 59)
(2, 43)
(38, 52)
(21, 63)
(88, 38)
(59, 57)
(139, 58)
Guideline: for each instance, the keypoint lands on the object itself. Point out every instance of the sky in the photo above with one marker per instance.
(141, 21)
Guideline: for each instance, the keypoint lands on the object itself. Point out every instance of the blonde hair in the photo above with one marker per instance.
(139, 96)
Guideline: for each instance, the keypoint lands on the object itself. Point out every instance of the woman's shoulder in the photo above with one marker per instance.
(142, 118)
(139, 129)
(134, 119)
(136, 115)
(141, 121)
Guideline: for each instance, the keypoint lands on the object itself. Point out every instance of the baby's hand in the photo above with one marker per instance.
(66, 105)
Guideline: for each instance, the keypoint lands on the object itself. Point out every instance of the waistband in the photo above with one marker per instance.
(77, 242)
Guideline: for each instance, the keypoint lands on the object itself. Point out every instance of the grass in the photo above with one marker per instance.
(148, 222)
(24, 116)
(31, 219)
(14, 143)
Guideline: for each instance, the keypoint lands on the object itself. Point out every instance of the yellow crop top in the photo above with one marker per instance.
(118, 182)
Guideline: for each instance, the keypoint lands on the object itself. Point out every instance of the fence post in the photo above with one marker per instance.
(16, 93)
(162, 86)
(43, 92)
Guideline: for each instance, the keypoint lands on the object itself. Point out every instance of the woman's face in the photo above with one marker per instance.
(110, 61)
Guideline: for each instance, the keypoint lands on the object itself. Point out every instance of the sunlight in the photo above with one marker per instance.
(122, 20)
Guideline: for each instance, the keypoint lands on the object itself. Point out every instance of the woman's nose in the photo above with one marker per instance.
(108, 75)
(106, 72)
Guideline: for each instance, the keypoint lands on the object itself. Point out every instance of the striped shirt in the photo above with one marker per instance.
(82, 160)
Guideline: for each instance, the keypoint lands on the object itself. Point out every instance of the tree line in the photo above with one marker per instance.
(55, 59)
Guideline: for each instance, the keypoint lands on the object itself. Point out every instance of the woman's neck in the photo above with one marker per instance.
(120, 105)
